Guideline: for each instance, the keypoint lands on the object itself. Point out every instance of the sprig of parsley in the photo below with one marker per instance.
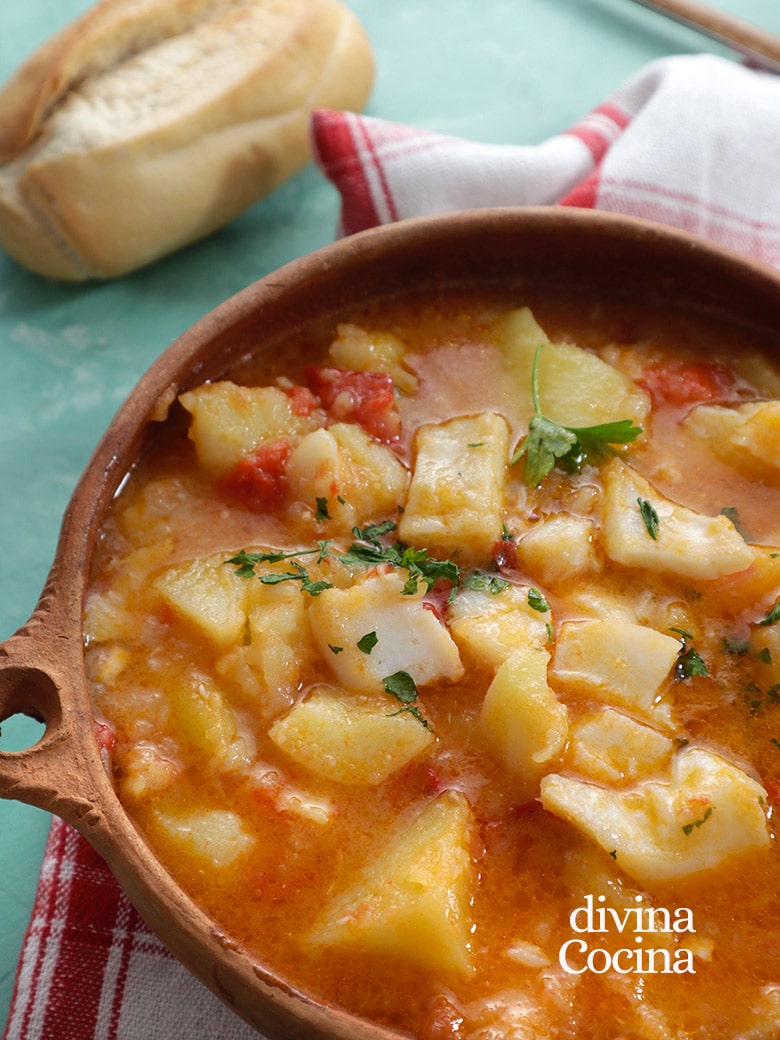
(549, 442)
(368, 549)
(245, 563)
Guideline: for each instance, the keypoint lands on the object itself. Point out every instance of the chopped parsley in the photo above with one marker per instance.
(367, 642)
(773, 616)
(549, 442)
(688, 828)
(322, 513)
(735, 646)
(368, 549)
(482, 582)
(536, 601)
(731, 513)
(299, 573)
(403, 687)
(649, 517)
(689, 660)
(245, 562)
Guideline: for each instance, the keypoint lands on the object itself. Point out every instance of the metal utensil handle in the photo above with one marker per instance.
(761, 47)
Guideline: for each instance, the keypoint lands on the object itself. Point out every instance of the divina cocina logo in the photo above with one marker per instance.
(648, 929)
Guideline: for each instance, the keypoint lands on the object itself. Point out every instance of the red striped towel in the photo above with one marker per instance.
(689, 141)
(693, 142)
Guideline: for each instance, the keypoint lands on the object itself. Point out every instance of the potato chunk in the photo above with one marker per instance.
(687, 543)
(230, 421)
(408, 637)
(489, 626)
(576, 388)
(521, 720)
(209, 595)
(369, 350)
(217, 836)
(746, 437)
(350, 738)
(612, 747)
(614, 661)
(412, 900)
(356, 475)
(269, 666)
(209, 723)
(457, 492)
(145, 771)
(702, 812)
(559, 549)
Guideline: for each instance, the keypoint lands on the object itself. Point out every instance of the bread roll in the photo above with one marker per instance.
(147, 124)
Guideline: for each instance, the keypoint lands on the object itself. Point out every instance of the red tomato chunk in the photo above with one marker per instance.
(367, 398)
(258, 480)
(685, 382)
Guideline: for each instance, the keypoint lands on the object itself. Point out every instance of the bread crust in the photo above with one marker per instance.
(109, 161)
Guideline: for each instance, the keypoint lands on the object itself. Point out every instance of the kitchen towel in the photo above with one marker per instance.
(689, 141)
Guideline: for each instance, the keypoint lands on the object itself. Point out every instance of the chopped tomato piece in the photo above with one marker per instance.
(687, 382)
(772, 788)
(258, 480)
(367, 398)
(437, 598)
(442, 1019)
(304, 402)
(505, 555)
(105, 736)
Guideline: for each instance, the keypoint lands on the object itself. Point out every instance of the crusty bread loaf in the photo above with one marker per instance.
(147, 124)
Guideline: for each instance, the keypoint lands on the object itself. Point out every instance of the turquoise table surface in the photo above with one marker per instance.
(505, 71)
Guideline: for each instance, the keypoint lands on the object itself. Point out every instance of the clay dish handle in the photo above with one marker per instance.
(41, 676)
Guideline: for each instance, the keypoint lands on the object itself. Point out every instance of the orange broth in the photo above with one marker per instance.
(530, 867)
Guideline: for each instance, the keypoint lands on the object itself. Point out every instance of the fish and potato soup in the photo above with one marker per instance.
(437, 656)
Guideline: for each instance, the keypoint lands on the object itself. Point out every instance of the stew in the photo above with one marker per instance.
(438, 657)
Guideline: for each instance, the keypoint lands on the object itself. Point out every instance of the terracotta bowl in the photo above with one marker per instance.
(42, 667)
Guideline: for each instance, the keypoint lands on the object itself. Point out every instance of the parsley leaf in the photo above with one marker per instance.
(546, 442)
(403, 687)
(299, 573)
(773, 616)
(536, 601)
(689, 660)
(483, 582)
(367, 642)
(245, 563)
(650, 517)
(369, 550)
(549, 442)
(689, 827)
(373, 532)
(731, 513)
